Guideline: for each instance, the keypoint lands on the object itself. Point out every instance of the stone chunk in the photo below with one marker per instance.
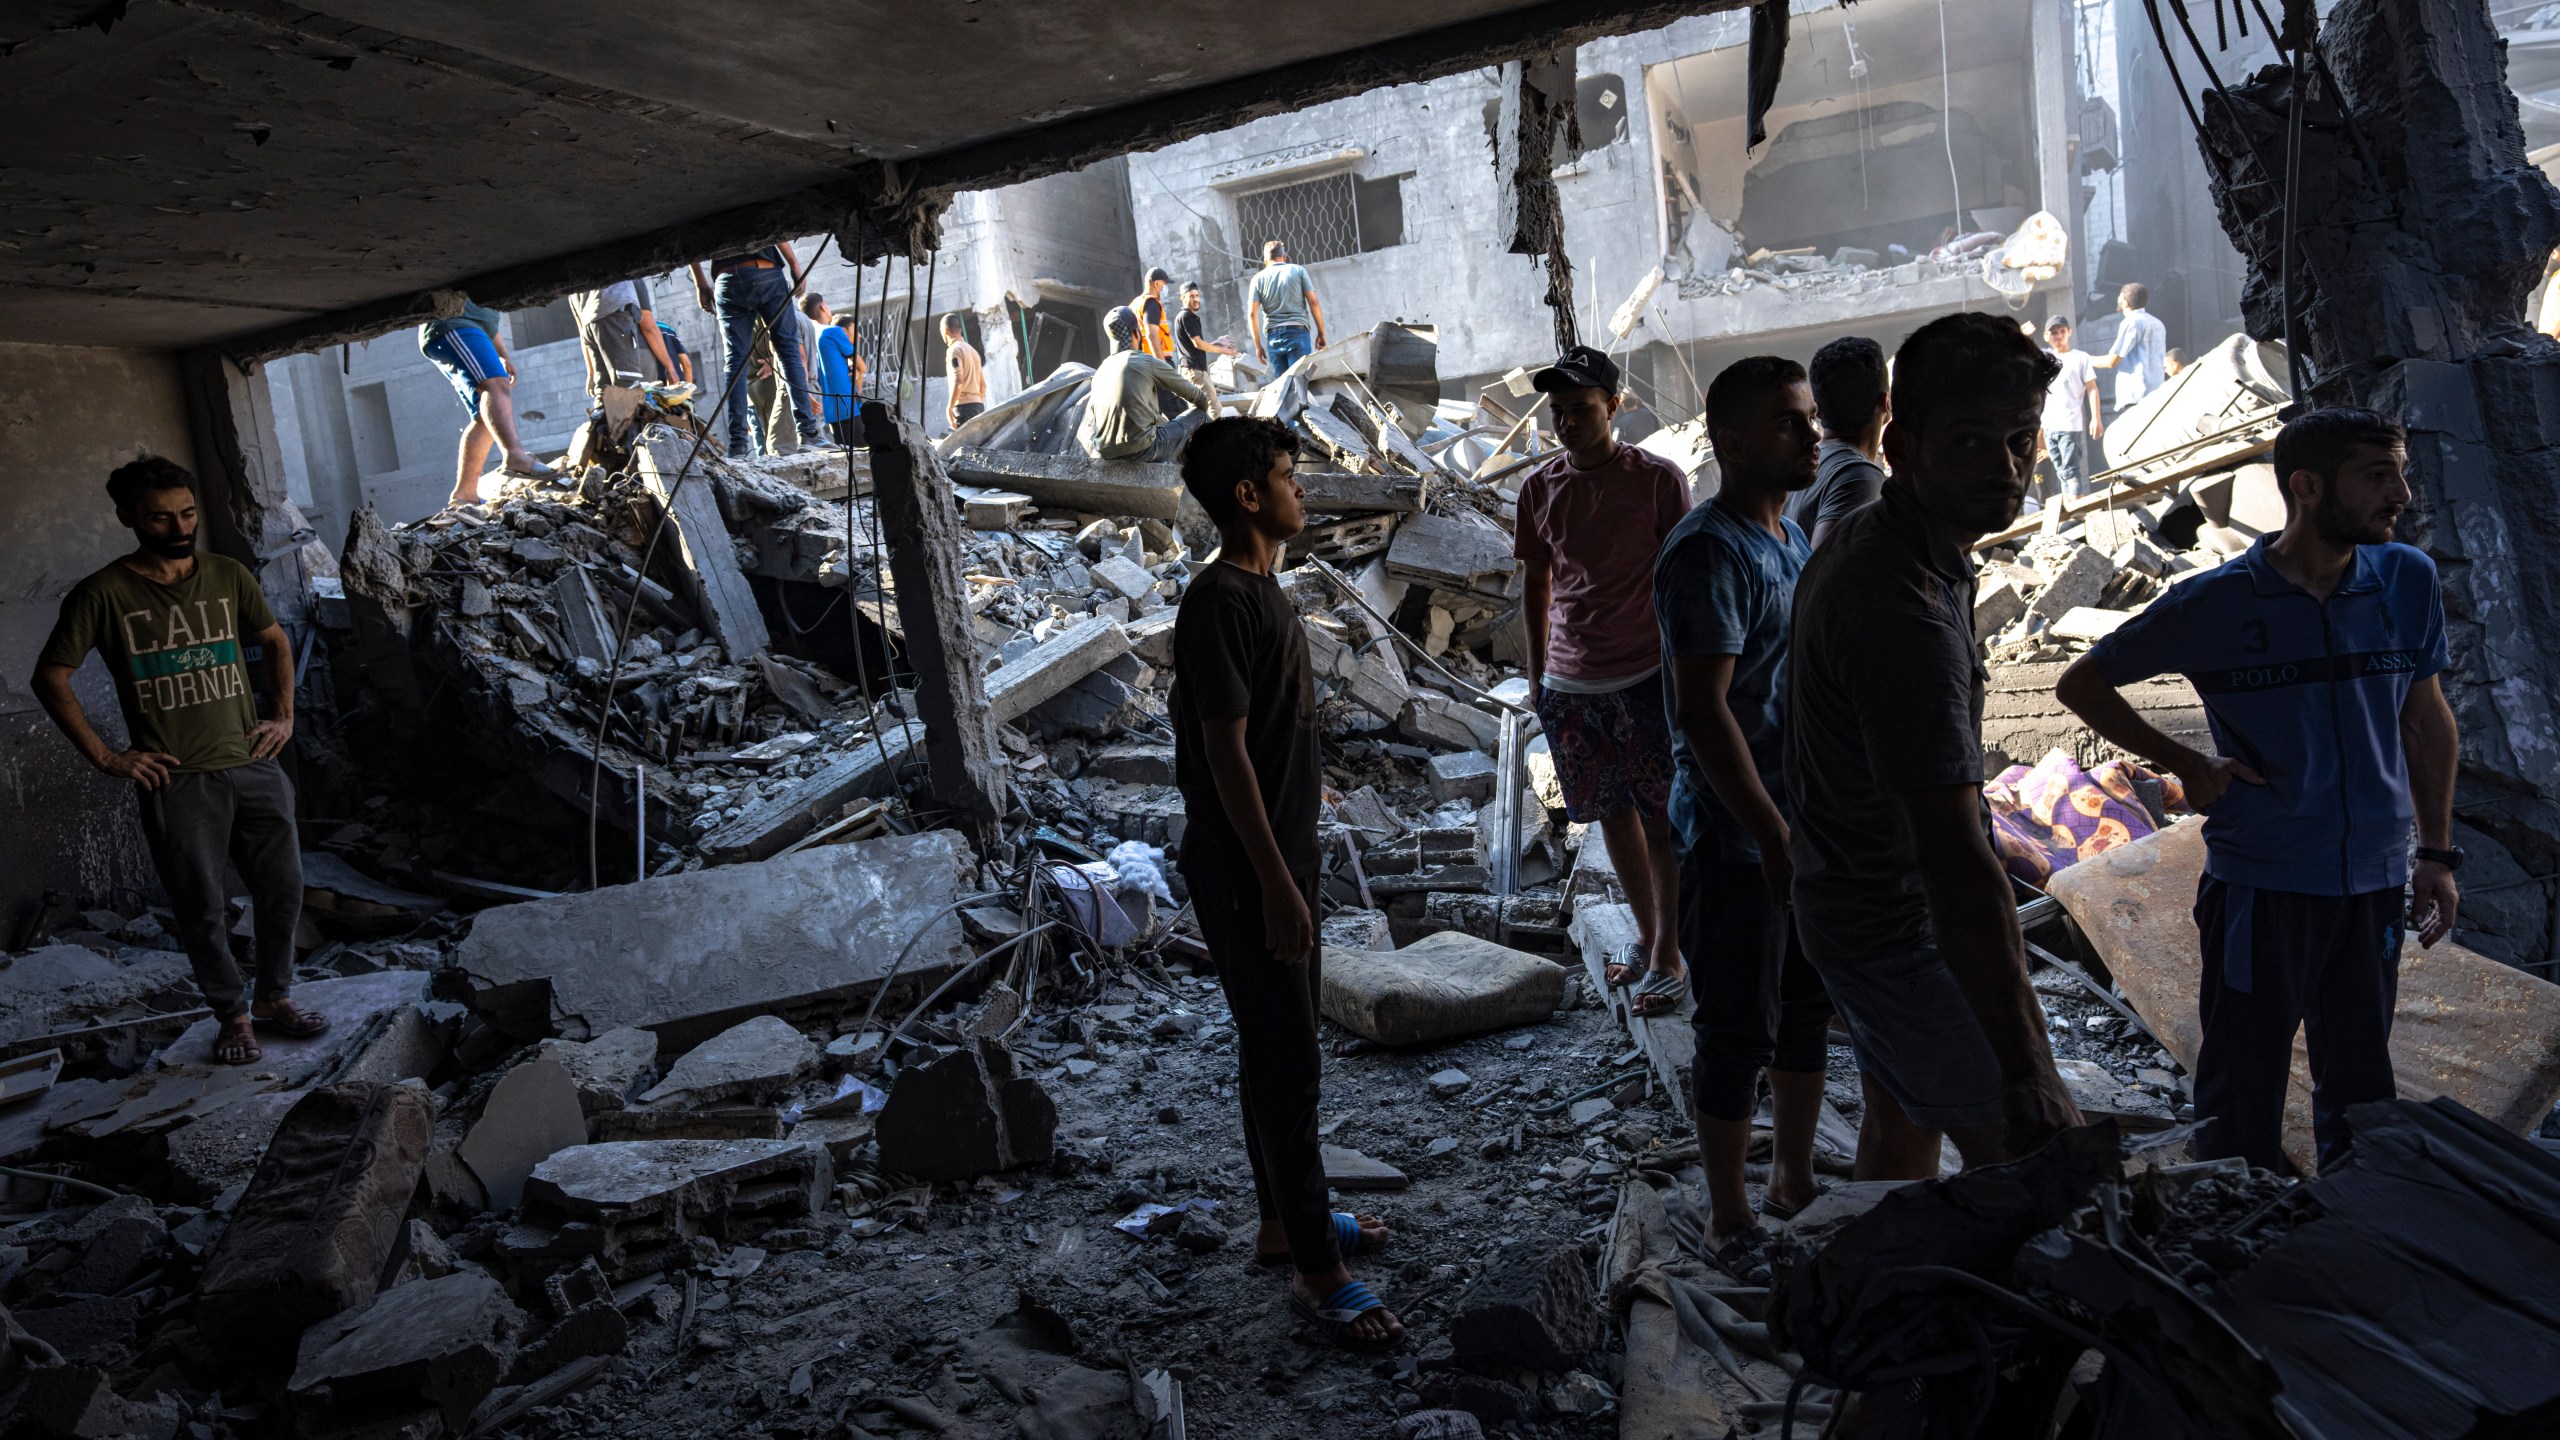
(1133, 763)
(1450, 1083)
(532, 1113)
(636, 1205)
(1437, 988)
(965, 1113)
(118, 1251)
(1125, 576)
(604, 1069)
(1996, 605)
(446, 1342)
(1438, 720)
(1467, 775)
(1346, 1169)
(756, 1060)
(311, 1234)
(2079, 581)
(1061, 660)
(1532, 1310)
(2087, 622)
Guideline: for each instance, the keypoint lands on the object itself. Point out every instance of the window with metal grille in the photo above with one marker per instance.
(1323, 219)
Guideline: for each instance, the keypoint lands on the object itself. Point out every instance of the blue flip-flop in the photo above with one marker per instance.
(1340, 1311)
(1346, 1238)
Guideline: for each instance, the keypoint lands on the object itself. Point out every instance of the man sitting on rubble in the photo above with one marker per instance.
(1124, 416)
(471, 349)
(2317, 654)
(1848, 378)
(1251, 769)
(1901, 902)
(170, 624)
(1284, 311)
(1590, 523)
(1724, 587)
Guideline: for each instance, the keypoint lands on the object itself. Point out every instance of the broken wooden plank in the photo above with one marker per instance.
(702, 543)
(1060, 661)
(924, 536)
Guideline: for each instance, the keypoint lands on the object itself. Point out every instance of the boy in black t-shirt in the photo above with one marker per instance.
(1247, 760)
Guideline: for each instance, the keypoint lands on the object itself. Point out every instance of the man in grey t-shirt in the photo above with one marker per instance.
(1848, 377)
(1900, 899)
(1287, 318)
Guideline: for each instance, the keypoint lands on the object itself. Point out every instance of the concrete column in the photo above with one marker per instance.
(2413, 265)
(240, 467)
(923, 526)
(2057, 117)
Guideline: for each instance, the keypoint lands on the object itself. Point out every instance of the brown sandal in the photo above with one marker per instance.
(236, 1046)
(291, 1021)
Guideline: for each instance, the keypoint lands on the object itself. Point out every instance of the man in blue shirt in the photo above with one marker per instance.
(2316, 654)
(2140, 355)
(1723, 587)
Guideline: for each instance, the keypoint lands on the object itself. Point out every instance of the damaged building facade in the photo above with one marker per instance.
(1390, 198)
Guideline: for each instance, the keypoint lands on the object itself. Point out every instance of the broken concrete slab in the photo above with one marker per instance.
(1348, 1169)
(2087, 622)
(1073, 481)
(712, 580)
(59, 987)
(1465, 775)
(604, 1069)
(2079, 581)
(634, 1205)
(1132, 763)
(531, 1114)
(1125, 576)
(2484, 1034)
(1437, 988)
(1453, 555)
(1448, 724)
(965, 1112)
(689, 955)
(589, 631)
(865, 770)
(1532, 1310)
(756, 1059)
(1060, 661)
(1996, 605)
(446, 1342)
(311, 1234)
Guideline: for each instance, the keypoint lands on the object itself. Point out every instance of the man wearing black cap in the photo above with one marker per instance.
(1589, 524)
(1155, 322)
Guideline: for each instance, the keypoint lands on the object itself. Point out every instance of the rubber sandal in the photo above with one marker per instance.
(1629, 964)
(1745, 1257)
(1340, 1311)
(292, 1022)
(1668, 987)
(1770, 1207)
(1346, 1238)
(538, 472)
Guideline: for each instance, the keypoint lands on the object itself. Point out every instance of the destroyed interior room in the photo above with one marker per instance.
(1660, 719)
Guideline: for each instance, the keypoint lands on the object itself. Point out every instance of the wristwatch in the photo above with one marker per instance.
(2450, 857)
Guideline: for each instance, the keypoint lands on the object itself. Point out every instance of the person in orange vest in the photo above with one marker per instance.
(1155, 318)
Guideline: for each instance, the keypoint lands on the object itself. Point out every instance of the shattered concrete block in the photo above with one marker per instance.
(1133, 763)
(1348, 1169)
(1532, 1310)
(965, 1113)
(706, 949)
(634, 1205)
(1452, 555)
(604, 1069)
(1442, 986)
(1151, 638)
(311, 1234)
(1093, 707)
(531, 1114)
(1125, 576)
(1467, 775)
(1439, 721)
(2107, 531)
(596, 1328)
(2078, 582)
(676, 1120)
(758, 1060)
(1377, 684)
(1061, 660)
(60, 987)
(1996, 604)
(2087, 622)
(2142, 557)
(446, 1342)
(115, 1252)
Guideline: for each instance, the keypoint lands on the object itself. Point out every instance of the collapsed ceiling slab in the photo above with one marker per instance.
(267, 176)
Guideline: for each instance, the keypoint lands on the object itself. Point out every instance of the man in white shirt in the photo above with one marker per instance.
(2071, 423)
(2141, 353)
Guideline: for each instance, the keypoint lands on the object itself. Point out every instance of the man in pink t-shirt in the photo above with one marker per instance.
(1589, 523)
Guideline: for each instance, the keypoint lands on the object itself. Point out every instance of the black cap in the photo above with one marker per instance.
(1579, 368)
(2058, 322)
(1158, 274)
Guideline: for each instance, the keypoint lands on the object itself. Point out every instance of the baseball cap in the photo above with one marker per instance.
(1578, 368)
(2058, 322)
(1158, 274)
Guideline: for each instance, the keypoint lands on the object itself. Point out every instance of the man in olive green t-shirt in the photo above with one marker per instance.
(170, 623)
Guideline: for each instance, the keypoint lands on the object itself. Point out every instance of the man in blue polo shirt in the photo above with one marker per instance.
(2316, 654)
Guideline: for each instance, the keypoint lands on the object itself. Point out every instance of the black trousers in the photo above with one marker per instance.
(1279, 1064)
(243, 815)
(2276, 962)
(1761, 1005)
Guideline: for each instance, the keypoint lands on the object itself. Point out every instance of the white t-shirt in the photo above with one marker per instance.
(2066, 401)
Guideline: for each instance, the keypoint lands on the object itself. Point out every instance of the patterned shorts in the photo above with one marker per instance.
(1611, 750)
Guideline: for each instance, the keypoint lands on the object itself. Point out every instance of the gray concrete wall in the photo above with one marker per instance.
(67, 417)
